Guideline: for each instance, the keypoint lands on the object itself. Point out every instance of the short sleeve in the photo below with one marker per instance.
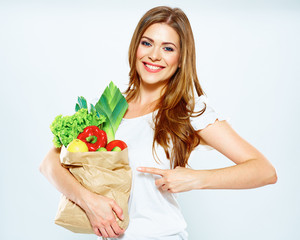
(209, 116)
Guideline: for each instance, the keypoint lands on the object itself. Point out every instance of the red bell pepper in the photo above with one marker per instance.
(94, 137)
(116, 143)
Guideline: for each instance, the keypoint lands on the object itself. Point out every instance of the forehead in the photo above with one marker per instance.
(162, 32)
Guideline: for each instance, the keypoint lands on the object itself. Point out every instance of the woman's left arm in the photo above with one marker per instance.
(252, 169)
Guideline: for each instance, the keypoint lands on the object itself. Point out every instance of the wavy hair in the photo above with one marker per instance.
(172, 129)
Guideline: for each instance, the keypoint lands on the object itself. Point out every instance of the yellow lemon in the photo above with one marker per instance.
(77, 146)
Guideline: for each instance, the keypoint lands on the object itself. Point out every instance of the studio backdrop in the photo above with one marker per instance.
(247, 52)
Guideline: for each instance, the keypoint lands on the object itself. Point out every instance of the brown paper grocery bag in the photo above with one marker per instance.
(105, 173)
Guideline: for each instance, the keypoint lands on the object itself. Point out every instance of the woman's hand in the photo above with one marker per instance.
(100, 211)
(175, 180)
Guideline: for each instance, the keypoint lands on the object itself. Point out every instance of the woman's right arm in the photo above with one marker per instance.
(99, 209)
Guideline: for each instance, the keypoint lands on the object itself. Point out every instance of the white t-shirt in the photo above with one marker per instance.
(154, 214)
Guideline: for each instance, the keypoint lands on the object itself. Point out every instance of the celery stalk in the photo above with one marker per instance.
(113, 105)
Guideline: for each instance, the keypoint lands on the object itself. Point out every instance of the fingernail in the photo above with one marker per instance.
(139, 169)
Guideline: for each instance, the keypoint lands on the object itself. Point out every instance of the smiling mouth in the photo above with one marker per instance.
(152, 68)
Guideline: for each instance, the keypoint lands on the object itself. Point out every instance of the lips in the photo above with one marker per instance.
(153, 68)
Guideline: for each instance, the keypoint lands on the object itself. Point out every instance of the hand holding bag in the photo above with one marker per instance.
(104, 173)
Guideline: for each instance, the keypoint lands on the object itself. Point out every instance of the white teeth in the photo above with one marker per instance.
(153, 67)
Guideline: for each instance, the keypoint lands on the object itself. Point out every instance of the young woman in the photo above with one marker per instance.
(164, 123)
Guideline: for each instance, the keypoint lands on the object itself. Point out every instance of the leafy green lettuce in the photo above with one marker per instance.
(66, 129)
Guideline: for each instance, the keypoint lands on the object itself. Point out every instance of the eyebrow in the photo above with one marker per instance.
(164, 43)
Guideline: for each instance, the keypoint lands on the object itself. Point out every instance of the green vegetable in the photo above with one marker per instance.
(113, 105)
(67, 128)
(81, 103)
(116, 149)
(102, 149)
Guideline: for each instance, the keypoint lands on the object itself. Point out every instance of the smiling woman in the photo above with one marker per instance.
(167, 118)
(158, 55)
(170, 91)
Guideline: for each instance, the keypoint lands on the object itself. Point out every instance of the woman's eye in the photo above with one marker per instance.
(146, 43)
(169, 49)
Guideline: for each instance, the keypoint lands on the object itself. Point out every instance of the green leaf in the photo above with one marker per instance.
(77, 107)
(93, 109)
(67, 128)
(113, 105)
(81, 103)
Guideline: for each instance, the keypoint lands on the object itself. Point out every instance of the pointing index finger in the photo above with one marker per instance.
(151, 170)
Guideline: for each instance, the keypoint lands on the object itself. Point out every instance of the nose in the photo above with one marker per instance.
(155, 55)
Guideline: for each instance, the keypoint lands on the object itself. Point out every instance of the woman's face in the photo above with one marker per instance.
(158, 54)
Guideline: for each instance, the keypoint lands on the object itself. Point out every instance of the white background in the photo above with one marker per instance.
(248, 64)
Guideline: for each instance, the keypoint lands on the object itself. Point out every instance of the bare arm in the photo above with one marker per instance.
(252, 169)
(99, 209)
(61, 178)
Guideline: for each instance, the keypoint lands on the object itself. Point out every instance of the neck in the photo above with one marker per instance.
(149, 93)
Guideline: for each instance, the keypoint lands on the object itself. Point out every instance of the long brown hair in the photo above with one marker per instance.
(173, 130)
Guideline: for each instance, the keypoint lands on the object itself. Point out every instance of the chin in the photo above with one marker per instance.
(154, 82)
